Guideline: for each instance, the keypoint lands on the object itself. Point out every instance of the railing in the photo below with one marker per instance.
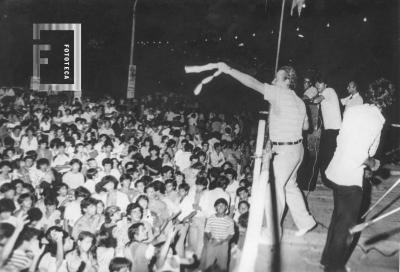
(258, 201)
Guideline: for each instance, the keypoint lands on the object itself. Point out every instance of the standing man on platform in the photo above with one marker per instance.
(354, 97)
(332, 121)
(357, 143)
(287, 119)
(308, 172)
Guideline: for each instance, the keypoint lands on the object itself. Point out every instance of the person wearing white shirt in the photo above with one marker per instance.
(182, 157)
(73, 209)
(108, 170)
(111, 197)
(67, 118)
(107, 129)
(29, 142)
(217, 158)
(287, 119)
(61, 160)
(170, 115)
(186, 201)
(91, 180)
(42, 173)
(74, 178)
(354, 97)
(232, 186)
(200, 205)
(88, 115)
(332, 120)
(214, 194)
(357, 143)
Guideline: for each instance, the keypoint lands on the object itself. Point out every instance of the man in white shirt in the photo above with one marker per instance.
(357, 143)
(354, 97)
(217, 158)
(286, 123)
(332, 121)
(29, 142)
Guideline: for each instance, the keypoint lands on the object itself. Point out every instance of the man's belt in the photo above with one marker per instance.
(287, 143)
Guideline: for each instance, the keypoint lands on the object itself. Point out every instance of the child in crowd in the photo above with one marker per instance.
(218, 232)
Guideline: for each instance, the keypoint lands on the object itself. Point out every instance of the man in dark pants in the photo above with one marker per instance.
(347, 202)
(357, 143)
(332, 120)
(327, 146)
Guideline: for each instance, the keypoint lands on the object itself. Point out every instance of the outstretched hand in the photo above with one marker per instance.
(222, 66)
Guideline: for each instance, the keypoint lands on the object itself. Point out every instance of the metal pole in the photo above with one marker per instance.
(280, 36)
(131, 72)
(133, 32)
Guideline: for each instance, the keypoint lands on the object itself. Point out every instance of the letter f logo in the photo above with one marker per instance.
(37, 60)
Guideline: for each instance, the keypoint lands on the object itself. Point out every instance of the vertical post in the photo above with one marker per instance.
(132, 69)
(279, 36)
(250, 248)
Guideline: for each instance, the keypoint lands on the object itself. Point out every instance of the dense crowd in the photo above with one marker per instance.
(151, 185)
(161, 184)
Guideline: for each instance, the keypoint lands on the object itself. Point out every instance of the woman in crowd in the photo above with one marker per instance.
(82, 258)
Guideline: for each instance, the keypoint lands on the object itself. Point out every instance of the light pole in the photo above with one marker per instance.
(132, 68)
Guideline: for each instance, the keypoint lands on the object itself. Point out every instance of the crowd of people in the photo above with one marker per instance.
(156, 184)
(94, 185)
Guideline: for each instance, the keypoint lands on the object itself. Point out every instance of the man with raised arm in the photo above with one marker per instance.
(287, 119)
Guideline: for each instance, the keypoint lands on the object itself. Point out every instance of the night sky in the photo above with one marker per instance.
(345, 39)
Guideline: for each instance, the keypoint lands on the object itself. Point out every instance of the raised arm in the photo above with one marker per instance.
(243, 78)
(8, 247)
(162, 257)
(60, 249)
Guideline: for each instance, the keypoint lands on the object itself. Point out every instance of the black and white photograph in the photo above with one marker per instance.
(199, 136)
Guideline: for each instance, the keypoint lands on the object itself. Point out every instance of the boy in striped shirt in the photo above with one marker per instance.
(219, 231)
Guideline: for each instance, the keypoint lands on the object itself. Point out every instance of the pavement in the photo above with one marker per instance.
(377, 249)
